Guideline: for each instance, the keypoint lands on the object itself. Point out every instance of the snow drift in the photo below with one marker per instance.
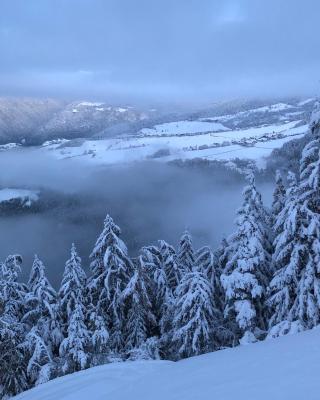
(283, 368)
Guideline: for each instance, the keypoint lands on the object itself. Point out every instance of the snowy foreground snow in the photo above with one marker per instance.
(284, 368)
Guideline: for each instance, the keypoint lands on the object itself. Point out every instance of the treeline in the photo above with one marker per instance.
(263, 281)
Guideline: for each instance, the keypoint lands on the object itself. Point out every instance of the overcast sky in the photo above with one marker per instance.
(188, 50)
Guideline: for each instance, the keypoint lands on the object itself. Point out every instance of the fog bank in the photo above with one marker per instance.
(149, 201)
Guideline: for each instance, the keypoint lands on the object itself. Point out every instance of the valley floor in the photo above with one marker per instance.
(284, 368)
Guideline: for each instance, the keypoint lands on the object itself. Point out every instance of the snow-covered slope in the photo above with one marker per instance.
(20, 118)
(85, 119)
(216, 144)
(33, 121)
(279, 369)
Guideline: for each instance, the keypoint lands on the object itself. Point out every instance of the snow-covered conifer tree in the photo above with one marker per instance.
(295, 288)
(185, 255)
(13, 360)
(315, 120)
(140, 320)
(169, 260)
(111, 272)
(306, 307)
(288, 257)
(99, 340)
(156, 261)
(194, 316)
(223, 254)
(208, 263)
(247, 271)
(218, 261)
(42, 307)
(38, 357)
(12, 292)
(12, 331)
(159, 288)
(153, 261)
(279, 196)
(41, 294)
(74, 349)
(73, 285)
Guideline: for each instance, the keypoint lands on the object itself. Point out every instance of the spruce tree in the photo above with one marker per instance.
(99, 340)
(13, 360)
(315, 120)
(12, 331)
(170, 266)
(74, 349)
(140, 320)
(295, 289)
(247, 270)
(39, 358)
(288, 257)
(278, 201)
(207, 262)
(306, 307)
(228, 328)
(158, 283)
(194, 316)
(154, 267)
(73, 286)
(12, 292)
(158, 261)
(41, 294)
(111, 272)
(42, 308)
(185, 255)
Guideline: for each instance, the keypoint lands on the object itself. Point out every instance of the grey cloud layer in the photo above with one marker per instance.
(159, 49)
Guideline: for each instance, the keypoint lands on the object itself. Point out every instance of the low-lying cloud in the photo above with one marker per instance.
(150, 201)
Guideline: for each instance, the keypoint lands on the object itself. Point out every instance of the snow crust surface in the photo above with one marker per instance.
(278, 369)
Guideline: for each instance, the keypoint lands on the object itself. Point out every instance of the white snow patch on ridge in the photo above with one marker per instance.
(184, 127)
(27, 196)
(274, 108)
(277, 369)
(121, 109)
(89, 104)
(307, 101)
(9, 146)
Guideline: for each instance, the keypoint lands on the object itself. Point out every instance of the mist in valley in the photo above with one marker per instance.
(149, 201)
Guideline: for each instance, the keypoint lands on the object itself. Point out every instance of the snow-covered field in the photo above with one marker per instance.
(184, 127)
(286, 368)
(251, 143)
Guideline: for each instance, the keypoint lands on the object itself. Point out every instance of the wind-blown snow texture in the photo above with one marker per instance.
(278, 369)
